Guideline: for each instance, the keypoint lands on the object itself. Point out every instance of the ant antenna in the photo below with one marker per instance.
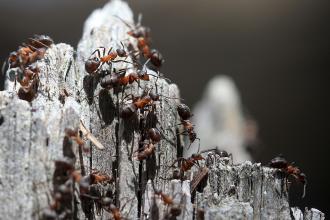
(125, 22)
(122, 45)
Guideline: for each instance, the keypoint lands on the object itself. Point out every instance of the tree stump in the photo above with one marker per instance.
(34, 135)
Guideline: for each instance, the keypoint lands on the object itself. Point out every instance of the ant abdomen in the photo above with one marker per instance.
(154, 135)
(184, 111)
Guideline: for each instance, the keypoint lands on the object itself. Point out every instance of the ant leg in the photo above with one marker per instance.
(122, 100)
(98, 68)
(109, 50)
(177, 160)
(129, 199)
(122, 45)
(183, 133)
(98, 52)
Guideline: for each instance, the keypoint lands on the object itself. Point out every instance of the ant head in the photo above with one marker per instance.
(127, 111)
(121, 52)
(92, 64)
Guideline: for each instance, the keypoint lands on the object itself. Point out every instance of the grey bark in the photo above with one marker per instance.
(31, 137)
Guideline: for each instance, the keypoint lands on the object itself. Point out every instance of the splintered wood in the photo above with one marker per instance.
(99, 140)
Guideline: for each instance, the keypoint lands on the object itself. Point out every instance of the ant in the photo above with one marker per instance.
(142, 34)
(29, 53)
(145, 152)
(188, 163)
(166, 198)
(96, 177)
(116, 215)
(28, 92)
(28, 76)
(119, 79)
(281, 163)
(148, 149)
(185, 114)
(99, 57)
(138, 102)
(73, 135)
(137, 31)
(91, 179)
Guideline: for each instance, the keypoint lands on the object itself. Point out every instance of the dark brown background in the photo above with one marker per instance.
(277, 51)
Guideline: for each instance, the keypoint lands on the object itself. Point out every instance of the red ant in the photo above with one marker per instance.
(166, 198)
(27, 54)
(28, 77)
(29, 83)
(185, 113)
(99, 57)
(188, 163)
(147, 151)
(139, 102)
(142, 34)
(281, 163)
(119, 79)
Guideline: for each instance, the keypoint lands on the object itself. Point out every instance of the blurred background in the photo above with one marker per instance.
(277, 52)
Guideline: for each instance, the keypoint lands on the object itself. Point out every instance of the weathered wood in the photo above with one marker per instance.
(121, 137)
(31, 138)
(245, 191)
